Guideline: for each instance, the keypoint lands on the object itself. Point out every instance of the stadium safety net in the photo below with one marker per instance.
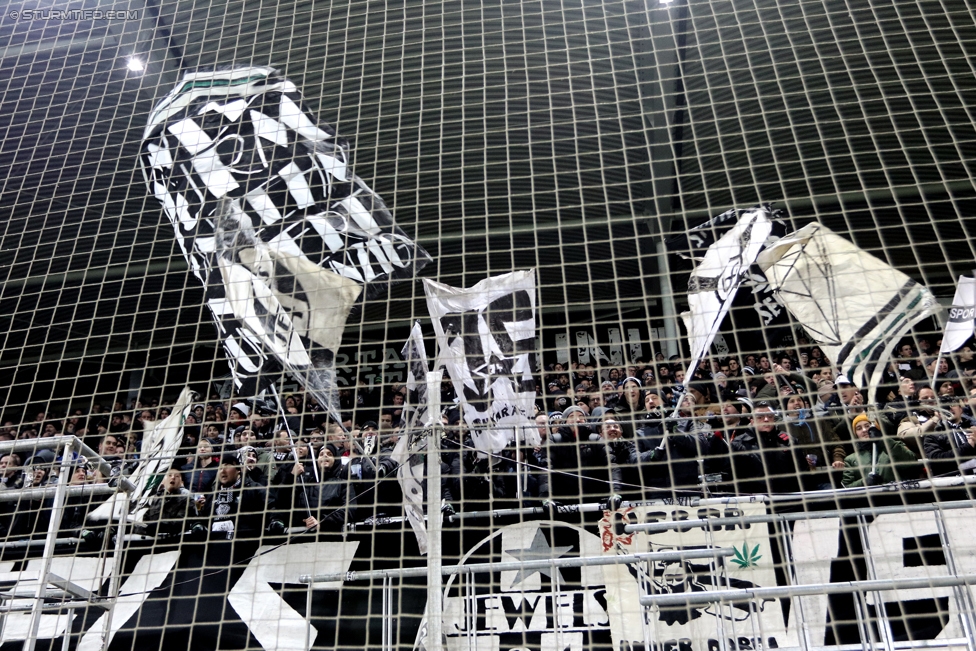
(495, 325)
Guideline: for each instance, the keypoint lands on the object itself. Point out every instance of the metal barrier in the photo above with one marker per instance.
(75, 595)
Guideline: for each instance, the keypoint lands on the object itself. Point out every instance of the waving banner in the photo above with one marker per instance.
(850, 302)
(766, 313)
(408, 453)
(713, 284)
(272, 221)
(486, 340)
(962, 316)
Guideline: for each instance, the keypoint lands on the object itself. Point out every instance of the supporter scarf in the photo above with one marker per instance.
(227, 499)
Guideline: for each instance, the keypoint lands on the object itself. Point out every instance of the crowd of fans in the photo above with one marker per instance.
(736, 424)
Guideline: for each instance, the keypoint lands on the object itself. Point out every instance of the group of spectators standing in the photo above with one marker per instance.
(734, 425)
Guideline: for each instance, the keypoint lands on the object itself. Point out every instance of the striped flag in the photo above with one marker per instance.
(272, 220)
(854, 305)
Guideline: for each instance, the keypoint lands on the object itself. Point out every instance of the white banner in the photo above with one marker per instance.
(962, 316)
(699, 625)
(486, 341)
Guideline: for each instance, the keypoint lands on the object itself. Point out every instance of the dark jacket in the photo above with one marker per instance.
(586, 473)
(946, 450)
(244, 504)
(333, 502)
(764, 462)
(288, 493)
(168, 512)
(199, 480)
(810, 443)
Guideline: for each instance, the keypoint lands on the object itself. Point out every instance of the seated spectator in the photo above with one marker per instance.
(688, 418)
(965, 362)
(689, 451)
(621, 452)
(214, 433)
(817, 454)
(947, 390)
(11, 472)
(293, 499)
(608, 394)
(256, 464)
(579, 452)
(878, 459)
(76, 508)
(924, 418)
(731, 421)
(37, 471)
(630, 405)
(763, 457)
(113, 449)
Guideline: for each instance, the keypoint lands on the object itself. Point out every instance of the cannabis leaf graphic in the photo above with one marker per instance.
(745, 557)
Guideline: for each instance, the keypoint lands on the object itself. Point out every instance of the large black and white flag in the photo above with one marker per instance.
(854, 305)
(272, 221)
(408, 453)
(713, 284)
(962, 316)
(486, 340)
(757, 309)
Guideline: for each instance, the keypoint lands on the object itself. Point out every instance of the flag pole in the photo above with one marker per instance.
(435, 595)
(294, 450)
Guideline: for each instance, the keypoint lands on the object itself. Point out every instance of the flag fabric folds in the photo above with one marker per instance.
(160, 445)
(486, 339)
(713, 284)
(962, 316)
(408, 453)
(271, 219)
(766, 312)
(854, 305)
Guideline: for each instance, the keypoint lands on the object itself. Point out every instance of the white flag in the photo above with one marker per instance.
(714, 282)
(160, 444)
(408, 453)
(486, 341)
(854, 305)
(962, 316)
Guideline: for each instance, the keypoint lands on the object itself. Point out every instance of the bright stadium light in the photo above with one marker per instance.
(135, 64)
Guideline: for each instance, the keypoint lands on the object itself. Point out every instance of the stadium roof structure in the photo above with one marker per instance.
(503, 135)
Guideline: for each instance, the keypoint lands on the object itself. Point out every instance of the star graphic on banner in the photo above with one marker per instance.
(538, 550)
